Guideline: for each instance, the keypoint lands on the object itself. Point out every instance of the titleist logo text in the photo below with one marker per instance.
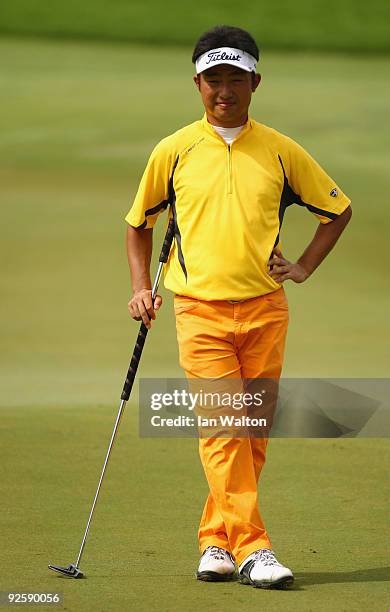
(217, 55)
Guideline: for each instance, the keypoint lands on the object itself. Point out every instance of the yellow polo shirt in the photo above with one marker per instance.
(228, 204)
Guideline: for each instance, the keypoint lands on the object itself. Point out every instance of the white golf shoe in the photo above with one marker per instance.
(262, 569)
(216, 565)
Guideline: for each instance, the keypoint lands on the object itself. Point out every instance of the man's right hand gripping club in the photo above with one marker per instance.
(141, 307)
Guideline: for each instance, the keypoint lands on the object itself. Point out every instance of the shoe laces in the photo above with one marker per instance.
(217, 553)
(266, 556)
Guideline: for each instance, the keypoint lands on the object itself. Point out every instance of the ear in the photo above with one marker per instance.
(256, 78)
(197, 80)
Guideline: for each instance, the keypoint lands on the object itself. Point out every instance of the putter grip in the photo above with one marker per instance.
(143, 331)
(131, 372)
(167, 241)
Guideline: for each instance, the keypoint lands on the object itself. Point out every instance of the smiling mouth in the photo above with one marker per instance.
(225, 104)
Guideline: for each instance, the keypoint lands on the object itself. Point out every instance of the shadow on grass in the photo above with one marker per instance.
(186, 580)
(302, 579)
(374, 574)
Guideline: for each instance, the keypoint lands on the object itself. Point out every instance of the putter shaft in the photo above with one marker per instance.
(118, 419)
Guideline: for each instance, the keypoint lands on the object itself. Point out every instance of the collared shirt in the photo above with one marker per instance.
(228, 203)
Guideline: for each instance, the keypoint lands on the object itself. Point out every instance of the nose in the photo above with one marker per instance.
(225, 91)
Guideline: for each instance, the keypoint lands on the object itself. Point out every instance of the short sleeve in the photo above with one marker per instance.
(311, 186)
(152, 196)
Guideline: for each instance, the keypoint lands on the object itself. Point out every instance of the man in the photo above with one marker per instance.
(228, 180)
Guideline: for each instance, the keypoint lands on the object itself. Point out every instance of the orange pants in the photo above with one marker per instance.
(220, 339)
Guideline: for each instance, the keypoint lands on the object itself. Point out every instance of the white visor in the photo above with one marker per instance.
(226, 55)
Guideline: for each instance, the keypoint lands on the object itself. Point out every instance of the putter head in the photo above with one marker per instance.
(71, 571)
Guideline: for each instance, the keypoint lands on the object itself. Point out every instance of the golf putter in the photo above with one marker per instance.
(73, 570)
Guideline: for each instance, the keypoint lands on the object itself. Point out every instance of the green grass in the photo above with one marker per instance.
(321, 500)
(77, 124)
(330, 25)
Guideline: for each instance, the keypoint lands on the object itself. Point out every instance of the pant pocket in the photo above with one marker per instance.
(184, 304)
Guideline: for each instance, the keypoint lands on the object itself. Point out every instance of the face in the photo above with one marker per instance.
(226, 94)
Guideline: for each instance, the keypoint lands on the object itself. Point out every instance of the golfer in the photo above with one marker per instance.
(228, 181)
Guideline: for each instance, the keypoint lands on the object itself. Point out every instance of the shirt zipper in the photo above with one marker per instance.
(229, 170)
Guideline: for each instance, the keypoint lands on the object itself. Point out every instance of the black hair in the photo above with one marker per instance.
(225, 36)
